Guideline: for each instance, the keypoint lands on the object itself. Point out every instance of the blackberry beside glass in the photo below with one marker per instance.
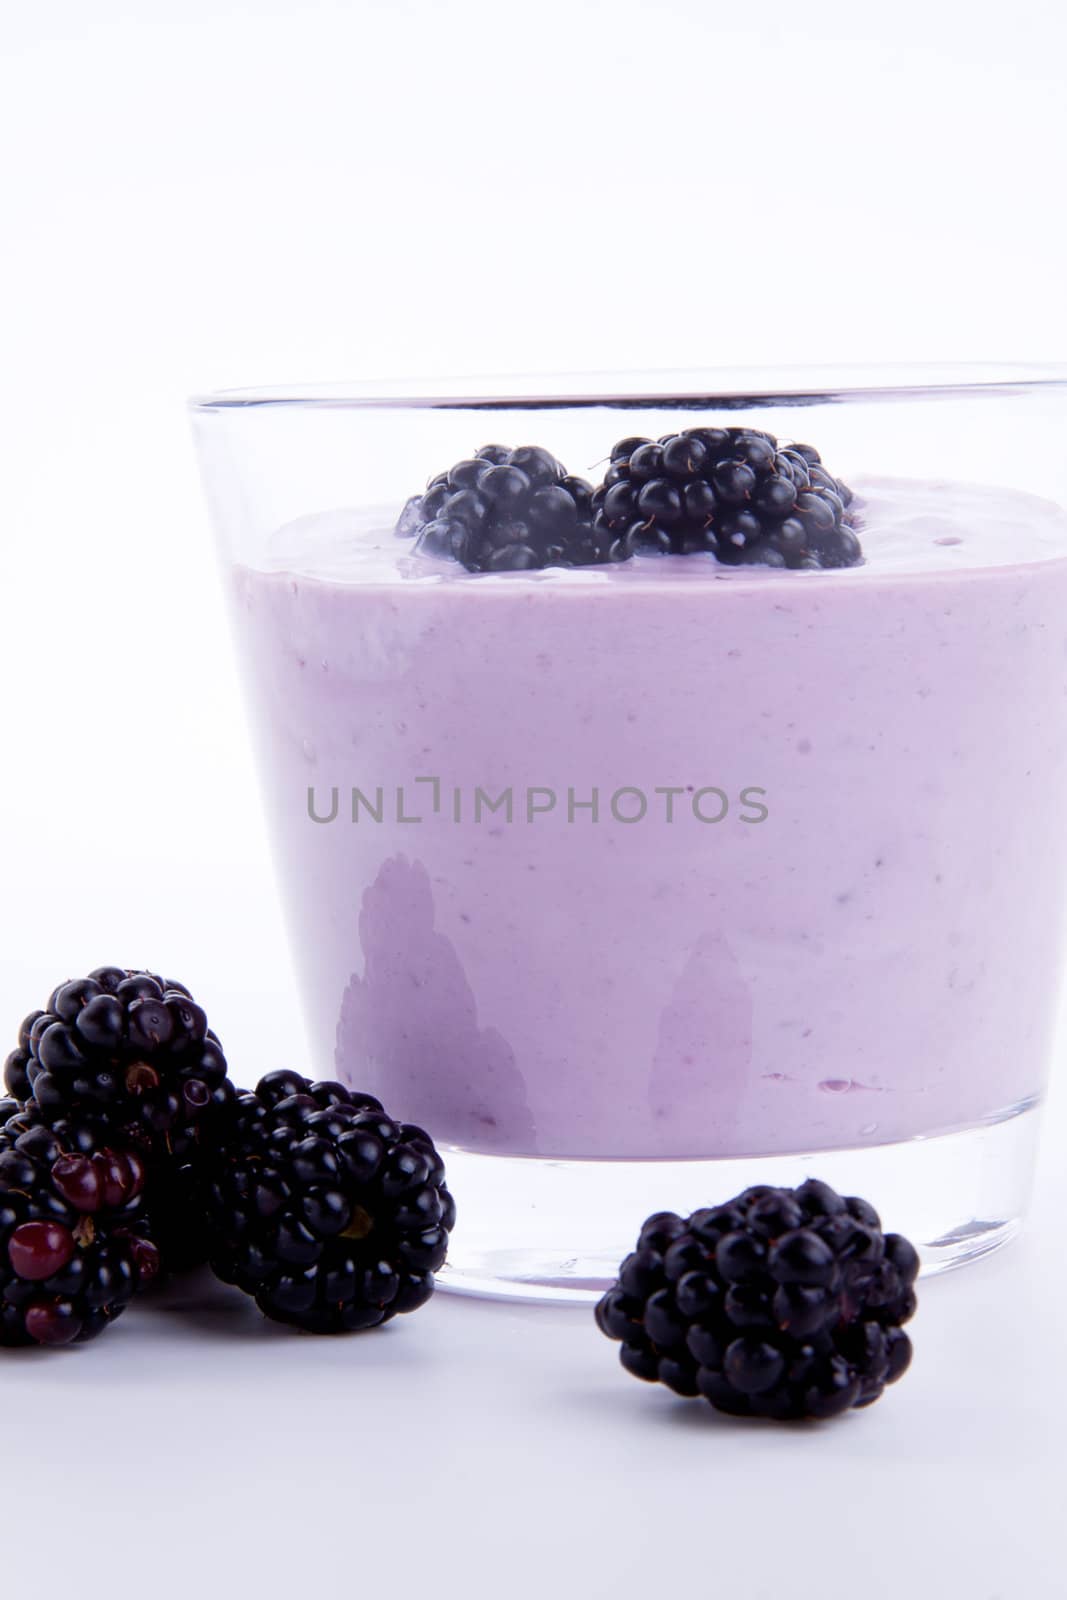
(782, 1303)
(121, 1045)
(331, 1214)
(130, 1057)
(75, 1244)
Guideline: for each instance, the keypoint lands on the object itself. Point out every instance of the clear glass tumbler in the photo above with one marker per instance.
(667, 779)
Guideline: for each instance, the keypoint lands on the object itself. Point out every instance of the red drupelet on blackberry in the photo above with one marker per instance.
(333, 1216)
(510, 510)
(74, 1240)
(782, 1303)
(735, 493)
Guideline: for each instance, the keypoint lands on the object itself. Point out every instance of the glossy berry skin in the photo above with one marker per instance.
(38, 1250)
(127, 1048)
(333, 1216)
(53, 1321)
(74, 1239)
(735, 493)
(782, 1303)
(509, 510)
(130, 1057)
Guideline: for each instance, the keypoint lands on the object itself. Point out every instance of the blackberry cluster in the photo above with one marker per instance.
(783, 1303)
(736, 493)
(74, 1241)
(510, 510)
(130, 1056)
(333, 1216)
(128, 1048)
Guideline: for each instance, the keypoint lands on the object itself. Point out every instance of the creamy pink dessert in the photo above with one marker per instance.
(667, 859)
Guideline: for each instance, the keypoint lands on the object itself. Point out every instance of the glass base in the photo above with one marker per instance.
(532, 1229)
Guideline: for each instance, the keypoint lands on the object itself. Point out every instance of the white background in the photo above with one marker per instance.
(202, 194)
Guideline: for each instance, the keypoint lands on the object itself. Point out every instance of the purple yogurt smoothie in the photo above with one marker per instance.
(875, 957)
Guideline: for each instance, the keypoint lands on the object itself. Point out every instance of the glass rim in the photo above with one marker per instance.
(706, 388)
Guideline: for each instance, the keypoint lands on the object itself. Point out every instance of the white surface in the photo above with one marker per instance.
(222, 192)
(482, 1450)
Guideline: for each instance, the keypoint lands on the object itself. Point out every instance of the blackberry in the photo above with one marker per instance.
(131, 1056)
(510, 510)
(783, 1303)
(735, 493)
(127, 1048)
(333, 1216)
(74, 1240)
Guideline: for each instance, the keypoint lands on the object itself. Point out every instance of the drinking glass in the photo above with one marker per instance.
(639, 881)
